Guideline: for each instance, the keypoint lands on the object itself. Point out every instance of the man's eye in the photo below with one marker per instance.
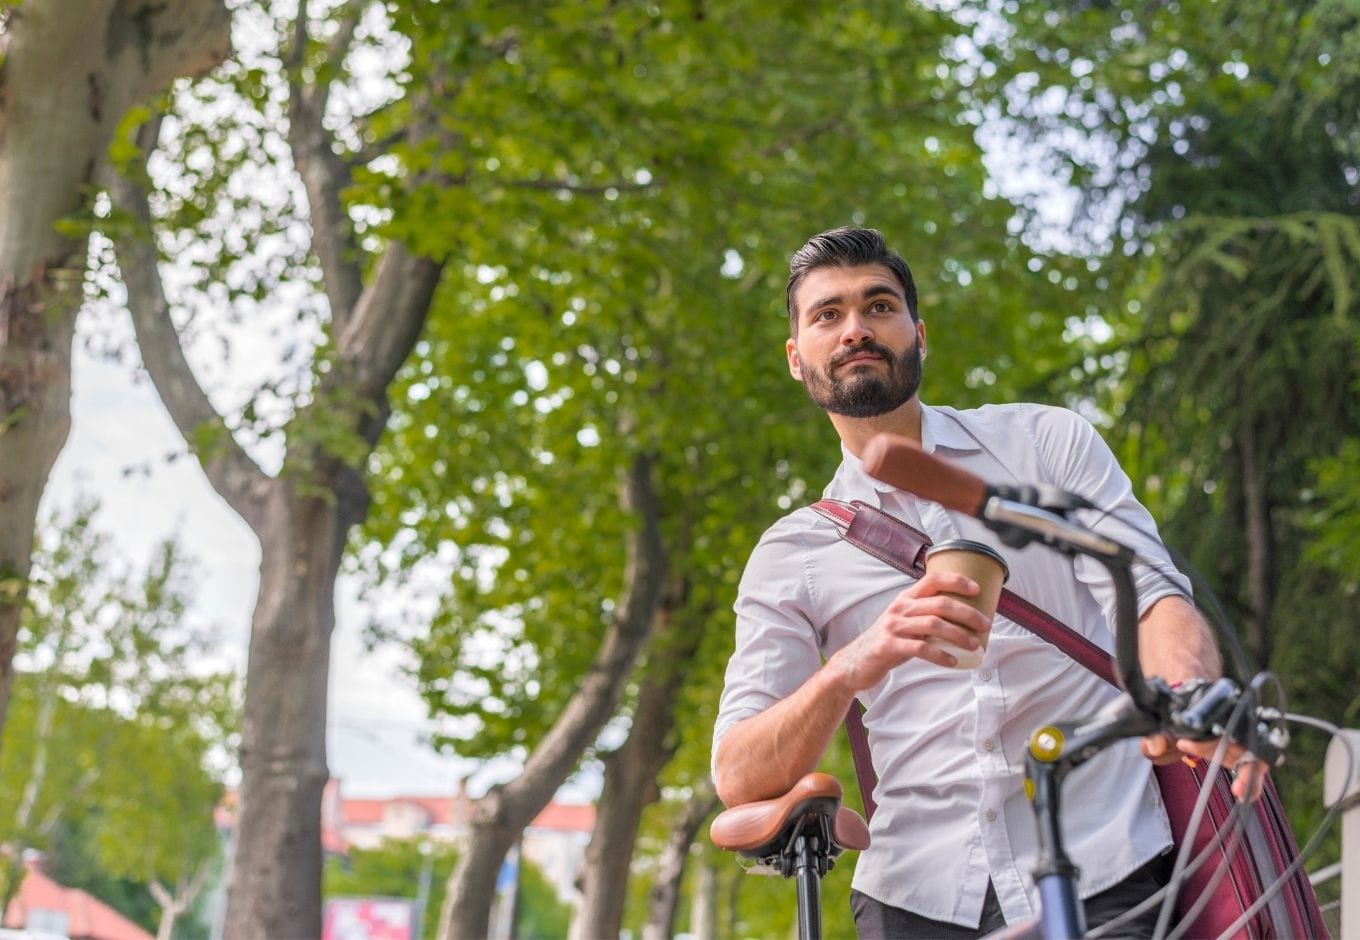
(882, 307)
(825, 315)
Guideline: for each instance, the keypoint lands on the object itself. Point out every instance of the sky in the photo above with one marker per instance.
(118, 453)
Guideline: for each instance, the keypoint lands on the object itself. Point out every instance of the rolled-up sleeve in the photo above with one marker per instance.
(1086, 465)
(777, 647)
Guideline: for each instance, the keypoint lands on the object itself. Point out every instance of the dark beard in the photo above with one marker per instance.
(865, 394)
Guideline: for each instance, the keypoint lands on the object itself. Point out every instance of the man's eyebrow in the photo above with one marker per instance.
(873, 290)
(877, 290)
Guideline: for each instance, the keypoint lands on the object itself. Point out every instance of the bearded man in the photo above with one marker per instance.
(821, 623)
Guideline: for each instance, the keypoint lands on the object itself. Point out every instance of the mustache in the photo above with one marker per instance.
(868, 346)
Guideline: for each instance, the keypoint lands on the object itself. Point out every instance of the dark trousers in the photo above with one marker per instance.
(875, 920)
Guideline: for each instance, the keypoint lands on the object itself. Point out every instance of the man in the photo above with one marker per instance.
(821, 623)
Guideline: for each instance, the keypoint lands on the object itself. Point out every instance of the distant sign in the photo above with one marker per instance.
(368, 919)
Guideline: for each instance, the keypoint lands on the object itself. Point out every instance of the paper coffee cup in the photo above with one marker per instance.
(981, 563)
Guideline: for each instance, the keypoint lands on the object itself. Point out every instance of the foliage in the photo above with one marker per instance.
(70, 860)
(541, 914)
(116, 736)
(639, 309)
(1218, 145)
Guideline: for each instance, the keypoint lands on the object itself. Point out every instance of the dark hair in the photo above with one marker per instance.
(848, 248)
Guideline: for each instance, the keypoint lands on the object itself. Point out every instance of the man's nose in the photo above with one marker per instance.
(856, 330)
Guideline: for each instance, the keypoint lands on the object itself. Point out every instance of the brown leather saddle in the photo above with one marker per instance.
(768, 830)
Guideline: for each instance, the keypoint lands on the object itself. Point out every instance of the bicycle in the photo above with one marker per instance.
(1201, 710)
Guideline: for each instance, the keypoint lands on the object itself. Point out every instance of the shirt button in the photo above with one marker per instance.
(984, 675)
(988, 745)
(991, 815)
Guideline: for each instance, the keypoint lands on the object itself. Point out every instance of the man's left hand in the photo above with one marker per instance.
(1249, 771)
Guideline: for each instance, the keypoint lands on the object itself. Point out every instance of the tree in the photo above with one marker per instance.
(68, 74)
(116, 735)
(658, 338)
(664, 896)
(1221, 141)
(377, 291)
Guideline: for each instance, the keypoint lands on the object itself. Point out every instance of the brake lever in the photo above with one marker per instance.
(1202, 710)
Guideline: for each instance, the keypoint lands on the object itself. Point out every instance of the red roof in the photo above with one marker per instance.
(88, 918)
(440, 809)
(568, 817)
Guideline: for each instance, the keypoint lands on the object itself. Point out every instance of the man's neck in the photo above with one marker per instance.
(904, 421)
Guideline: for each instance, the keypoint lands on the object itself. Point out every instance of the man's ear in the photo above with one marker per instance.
(921, 337)
(795, 365)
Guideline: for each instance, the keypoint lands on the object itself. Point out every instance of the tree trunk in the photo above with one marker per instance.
(302, 518)
(630, 783)
(703, 921)
(502, 815)
(277, 866)
(664, 899)
(68, 73)
(173, 905)
(1260, 554)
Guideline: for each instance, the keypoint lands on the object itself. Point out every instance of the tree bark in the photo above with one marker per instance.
(68, 74)
(1260, 542)
(703, 921)
(500, 817)
(664, 899)
(276, 872)
(630, 782)
(173, 905)
(302, 518)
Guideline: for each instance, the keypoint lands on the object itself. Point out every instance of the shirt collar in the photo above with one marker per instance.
(942, 428)
(939, 429)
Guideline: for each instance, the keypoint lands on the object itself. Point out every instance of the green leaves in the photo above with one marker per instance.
(622, 190)
(114, 719)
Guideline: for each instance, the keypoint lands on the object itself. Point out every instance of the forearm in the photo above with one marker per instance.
(765, 755)
(1176, 643)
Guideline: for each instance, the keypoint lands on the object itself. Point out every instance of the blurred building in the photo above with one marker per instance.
(45, 909)
(555, 841)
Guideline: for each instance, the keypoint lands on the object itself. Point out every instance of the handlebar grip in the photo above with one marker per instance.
(901, 462)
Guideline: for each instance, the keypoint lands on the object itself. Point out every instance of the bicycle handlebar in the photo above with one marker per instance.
(1199, 709)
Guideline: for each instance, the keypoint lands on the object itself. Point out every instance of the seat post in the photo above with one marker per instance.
(807, 870)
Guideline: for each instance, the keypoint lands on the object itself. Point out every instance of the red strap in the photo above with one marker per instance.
(864, 765)
(903, 546)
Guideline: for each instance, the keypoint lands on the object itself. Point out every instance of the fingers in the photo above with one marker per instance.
(1249, 771)
(1249, 779)
(933, 596)
(1160, 749)
(937, 582)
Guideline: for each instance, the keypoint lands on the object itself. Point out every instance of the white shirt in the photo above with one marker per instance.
(949, 744)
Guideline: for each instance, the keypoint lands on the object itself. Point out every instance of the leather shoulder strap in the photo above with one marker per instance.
(903, 546)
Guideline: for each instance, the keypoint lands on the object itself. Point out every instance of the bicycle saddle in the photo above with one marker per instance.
(764, 828)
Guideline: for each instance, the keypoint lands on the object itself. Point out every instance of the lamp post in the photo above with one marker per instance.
(422, 890)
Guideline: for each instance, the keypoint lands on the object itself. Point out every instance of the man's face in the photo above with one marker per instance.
(858, 352)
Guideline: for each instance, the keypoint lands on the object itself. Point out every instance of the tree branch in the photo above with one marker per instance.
(324, 176)
(388, 319)
(343, 39)
(232, 473)
(369, 152)
(598, 692)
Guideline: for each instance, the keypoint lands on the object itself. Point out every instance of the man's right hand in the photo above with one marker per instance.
(762, 756)
(921, 611)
